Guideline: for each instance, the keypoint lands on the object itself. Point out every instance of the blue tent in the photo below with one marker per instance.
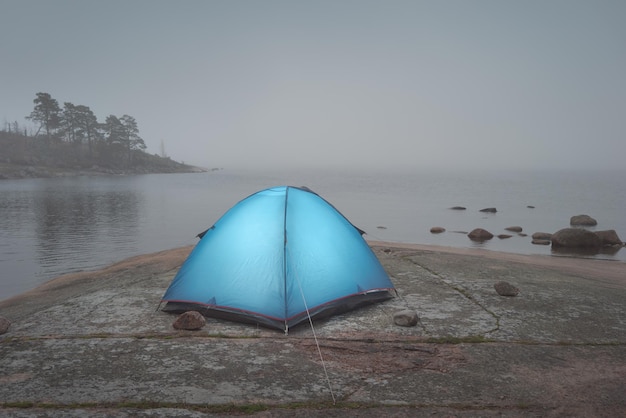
(275, 258)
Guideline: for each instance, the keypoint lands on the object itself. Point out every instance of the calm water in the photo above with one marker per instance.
(50, 227)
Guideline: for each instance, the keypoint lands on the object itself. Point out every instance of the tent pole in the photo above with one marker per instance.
(285, 260)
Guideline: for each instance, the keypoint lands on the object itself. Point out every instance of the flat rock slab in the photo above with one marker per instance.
(217, 371)
(96, 343)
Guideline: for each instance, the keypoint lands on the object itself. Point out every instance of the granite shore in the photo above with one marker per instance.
(95, 344)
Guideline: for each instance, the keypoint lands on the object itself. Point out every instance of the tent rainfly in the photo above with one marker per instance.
(276, 258)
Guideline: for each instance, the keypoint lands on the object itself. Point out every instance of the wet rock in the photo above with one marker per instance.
(542, 235)
(582, 220)
(504, 236)
(4, 325)
(541, 241)
(405, 318)
(609, 237)
(458, 208)
(190, 321)
(489, 210)
(506, 289)
(480, 234)
(437, 230)
(514, 228)
(575, 238)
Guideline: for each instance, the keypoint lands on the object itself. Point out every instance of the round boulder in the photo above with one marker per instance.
(190, 320)
(575, 238)
(582, 220)
(506, 289)
(480, 234)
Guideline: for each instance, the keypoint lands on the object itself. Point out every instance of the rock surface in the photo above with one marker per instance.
(573, 364)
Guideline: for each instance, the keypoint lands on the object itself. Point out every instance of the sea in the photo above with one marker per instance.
(54, 226)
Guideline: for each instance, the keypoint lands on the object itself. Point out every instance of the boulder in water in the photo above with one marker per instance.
(575, 238)
(609, 238)
(582, 220)
(480, 234)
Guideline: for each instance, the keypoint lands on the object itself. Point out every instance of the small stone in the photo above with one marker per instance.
(489, 210)
(541, 241)
(514, 228)
(542, 235)
(190, 321)
(4, 325)
(506, 289)
(504, 236)
(405, 318)
(458, 208)
(437, 230)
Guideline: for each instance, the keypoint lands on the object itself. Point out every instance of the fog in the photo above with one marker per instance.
(381, 84)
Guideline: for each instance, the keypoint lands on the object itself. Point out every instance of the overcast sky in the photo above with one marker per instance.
(520, 84)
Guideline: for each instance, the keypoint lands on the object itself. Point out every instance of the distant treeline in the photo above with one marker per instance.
(72, 135)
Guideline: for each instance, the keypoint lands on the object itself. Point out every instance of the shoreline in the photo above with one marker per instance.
(599, 268)
(610, 271)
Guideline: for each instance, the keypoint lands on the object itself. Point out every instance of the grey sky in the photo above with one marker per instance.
(499, 83)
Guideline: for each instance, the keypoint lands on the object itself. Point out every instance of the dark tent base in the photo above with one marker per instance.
(320, 312)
